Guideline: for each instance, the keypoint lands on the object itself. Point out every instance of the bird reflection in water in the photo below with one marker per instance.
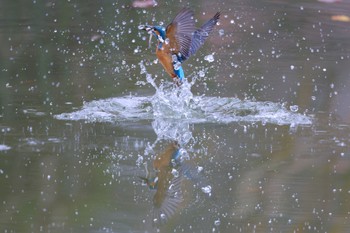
(170, 169)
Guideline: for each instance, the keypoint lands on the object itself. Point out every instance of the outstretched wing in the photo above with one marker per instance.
(201, 34)
(180, 32)
(170, 203)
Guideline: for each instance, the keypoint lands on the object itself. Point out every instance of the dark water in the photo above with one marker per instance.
(263, 127)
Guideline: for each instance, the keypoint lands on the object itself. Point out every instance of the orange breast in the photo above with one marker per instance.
(164, 56)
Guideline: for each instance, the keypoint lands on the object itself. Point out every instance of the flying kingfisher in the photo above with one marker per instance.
(179, 40)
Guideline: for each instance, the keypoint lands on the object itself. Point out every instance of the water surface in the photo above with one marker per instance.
(263, 122)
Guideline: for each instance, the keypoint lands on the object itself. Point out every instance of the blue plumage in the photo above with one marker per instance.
(180, 40)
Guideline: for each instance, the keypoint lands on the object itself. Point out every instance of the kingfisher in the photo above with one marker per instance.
(179, 40)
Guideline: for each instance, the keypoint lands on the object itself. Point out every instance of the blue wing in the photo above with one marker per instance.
(201, 34)
(184, 38)
(180, 32)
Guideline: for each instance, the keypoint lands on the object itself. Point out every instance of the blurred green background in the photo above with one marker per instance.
(77, 176)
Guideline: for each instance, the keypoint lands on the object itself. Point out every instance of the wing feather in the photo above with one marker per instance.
(184, 38)
(202, 33)
(180, 32)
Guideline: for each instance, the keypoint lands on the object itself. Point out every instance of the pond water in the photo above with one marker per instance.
(95, 137)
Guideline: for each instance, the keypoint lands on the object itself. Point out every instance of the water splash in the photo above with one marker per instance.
(124, 108)
(179, 105)
(172, 130)
(173, 108)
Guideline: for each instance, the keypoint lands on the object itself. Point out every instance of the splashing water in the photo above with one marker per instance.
(173, 102)
(179, 104)
(173, 108)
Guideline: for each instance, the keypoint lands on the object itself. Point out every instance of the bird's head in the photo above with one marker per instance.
(152, 183)
(157, 31)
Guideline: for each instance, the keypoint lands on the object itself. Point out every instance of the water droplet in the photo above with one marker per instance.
(139, 160)
(175, 172)
(294, 108)
(4, 147)
(201, 73)
(209, 58)
(206, 189)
